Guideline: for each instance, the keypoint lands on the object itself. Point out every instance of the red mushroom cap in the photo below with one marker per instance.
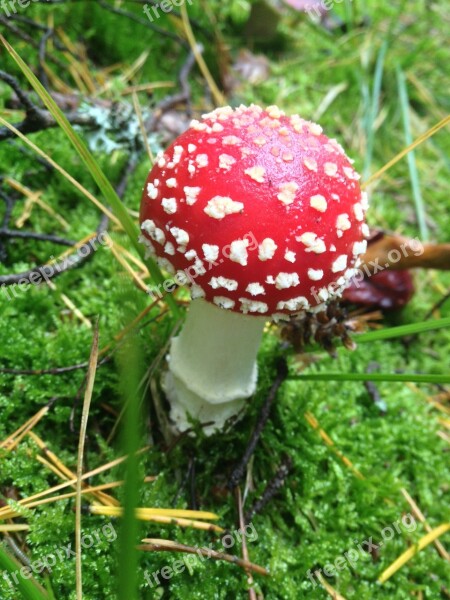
(261, 212)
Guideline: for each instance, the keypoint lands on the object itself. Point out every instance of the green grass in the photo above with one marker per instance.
(323, 509)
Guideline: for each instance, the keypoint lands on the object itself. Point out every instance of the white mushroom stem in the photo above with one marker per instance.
(212, 365)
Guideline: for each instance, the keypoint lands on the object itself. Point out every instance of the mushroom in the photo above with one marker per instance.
(263, 217)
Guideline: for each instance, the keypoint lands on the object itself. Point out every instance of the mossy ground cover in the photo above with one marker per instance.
(324, 509)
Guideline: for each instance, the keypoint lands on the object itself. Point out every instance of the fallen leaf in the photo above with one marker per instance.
(388, 290)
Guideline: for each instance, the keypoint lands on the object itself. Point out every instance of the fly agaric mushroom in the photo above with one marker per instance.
(262, 215)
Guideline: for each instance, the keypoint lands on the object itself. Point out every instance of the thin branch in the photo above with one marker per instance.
(53, 371)
(170, 101)
(7, 22)
(26, 21)
(31, 235)
(43, 122)
(157, 545)
(50, 271)
(271, 489)
(27, 152)
(29, 106)
(437, 306)
(42, 55)
(58, 45)
(263, 417)
(144, 22)
(9, 208)
(155, 3)
(36, 119)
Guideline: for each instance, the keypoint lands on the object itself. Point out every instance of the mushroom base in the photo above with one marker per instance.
(212, 366)
(183, 402)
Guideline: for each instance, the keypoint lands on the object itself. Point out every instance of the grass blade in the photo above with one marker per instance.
(374, 107)
(84, 418)
(413, 173)
(422, 138)
(392, 377)
(196, 51)
(422, 543)
(13, 527)
(402, 330)
(29, 589)
(131, 370)
(144, 513)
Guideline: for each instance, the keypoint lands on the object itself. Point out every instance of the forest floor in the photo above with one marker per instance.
(344, 466)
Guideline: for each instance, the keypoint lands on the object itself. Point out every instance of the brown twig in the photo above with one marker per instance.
(271, 489)
(36, 118)
(145, 22)
(437, 306)
(156, 3)
(74, 260)
(170, 101)
(189, 477)
(245, 555)
(42, 56)
(373, 390)
(53, 371)
(31, 235)
(51, 271)
(7, 22)
(43, 120)
(263, 417)
(156, 545)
